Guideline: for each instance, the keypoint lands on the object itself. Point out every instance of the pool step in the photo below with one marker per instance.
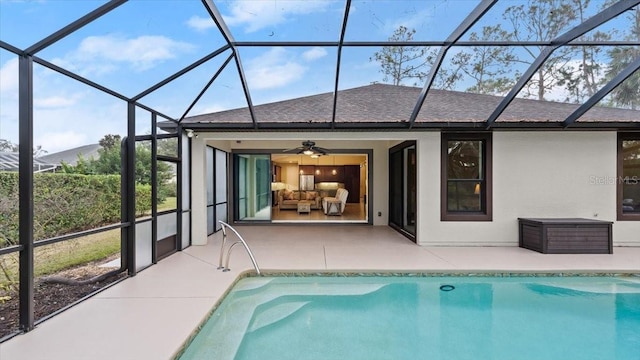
(242, 315)
(276, 313)
(630, 287)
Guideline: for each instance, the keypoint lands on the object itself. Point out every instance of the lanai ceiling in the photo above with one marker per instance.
(184, 59)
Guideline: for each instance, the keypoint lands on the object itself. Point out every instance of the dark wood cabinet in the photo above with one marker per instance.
(306, 169)
(326, 173)
(352, 182)
(349, 175)
(319, 174)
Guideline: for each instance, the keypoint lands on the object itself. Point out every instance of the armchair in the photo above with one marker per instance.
(341, 196)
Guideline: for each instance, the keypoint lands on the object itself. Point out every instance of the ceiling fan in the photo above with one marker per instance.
(308, 148)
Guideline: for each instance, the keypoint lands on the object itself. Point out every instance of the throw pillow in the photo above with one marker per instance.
(311, 195)
(288, 195)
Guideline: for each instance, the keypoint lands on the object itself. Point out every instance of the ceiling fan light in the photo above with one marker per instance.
(308, 152)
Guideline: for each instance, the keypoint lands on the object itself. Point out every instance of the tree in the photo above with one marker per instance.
(488, 66)
(626, 94)
(400, 63)
(8, 146)
(109, 141)
(580, 78)
(541, 20)
(109, 163)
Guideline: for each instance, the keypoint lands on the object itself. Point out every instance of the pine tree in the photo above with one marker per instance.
(401, 63)
(626, 94)
(488, 66)
(542, 20)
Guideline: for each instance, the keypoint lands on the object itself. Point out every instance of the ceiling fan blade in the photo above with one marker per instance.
(297, 150)
(322, 151)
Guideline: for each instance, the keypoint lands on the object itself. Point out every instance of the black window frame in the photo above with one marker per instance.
(620, 179)
(486, 214)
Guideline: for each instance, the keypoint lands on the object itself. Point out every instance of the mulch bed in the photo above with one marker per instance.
(49, 298)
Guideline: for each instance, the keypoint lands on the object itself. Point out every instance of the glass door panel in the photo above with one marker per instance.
(253, 186)
(221, 188)
(402, 188)
(216, 188)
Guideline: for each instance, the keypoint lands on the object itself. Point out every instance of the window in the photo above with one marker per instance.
(466, 177)
(628, 184)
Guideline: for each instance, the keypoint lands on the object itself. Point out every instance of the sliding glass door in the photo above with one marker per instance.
(402, 188)
(252, 190)
(216, 188)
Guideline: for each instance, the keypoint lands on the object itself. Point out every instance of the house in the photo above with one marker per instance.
(443, 168)
(71, 156)
(448, 180)
(10, 161)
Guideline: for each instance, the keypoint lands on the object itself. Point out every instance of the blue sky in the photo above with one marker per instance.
(143, 41)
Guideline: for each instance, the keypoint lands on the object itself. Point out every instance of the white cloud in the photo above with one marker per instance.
(9, 100)
(56, 101)
(273, 69)
(210, 108)
(200, 23)
(256, 15)
(9, 78)
(85, 122)
(56, 141)
(315, 53)
(101, 54)
(413, 20)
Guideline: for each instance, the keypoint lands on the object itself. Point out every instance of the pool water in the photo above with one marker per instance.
(418, 318)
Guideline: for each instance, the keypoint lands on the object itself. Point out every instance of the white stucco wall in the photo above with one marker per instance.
(535, 174)
(198, 193)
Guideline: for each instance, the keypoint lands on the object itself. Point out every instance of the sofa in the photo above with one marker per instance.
(288, 199)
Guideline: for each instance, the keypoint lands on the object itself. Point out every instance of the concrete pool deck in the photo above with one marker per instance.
(149, 316)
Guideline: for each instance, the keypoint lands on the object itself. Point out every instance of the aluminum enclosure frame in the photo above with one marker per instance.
(27, 57)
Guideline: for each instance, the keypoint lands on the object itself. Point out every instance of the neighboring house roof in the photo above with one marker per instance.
(382, 103)
(10, 161)
(70, 156)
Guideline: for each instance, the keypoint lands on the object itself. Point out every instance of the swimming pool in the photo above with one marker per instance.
(424, 317)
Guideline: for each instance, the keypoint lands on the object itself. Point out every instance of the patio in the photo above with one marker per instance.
(150, 315)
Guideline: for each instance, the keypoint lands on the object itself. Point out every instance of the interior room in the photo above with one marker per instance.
(319, 188)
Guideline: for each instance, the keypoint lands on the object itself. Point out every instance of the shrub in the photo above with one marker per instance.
(143, 199)
(65, 203)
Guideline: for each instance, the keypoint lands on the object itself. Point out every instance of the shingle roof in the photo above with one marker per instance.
(70, 156)
(382, 103)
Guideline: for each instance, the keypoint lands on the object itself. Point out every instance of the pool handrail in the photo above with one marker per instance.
(225, 268)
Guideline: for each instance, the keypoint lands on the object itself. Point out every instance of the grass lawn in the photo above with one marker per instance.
(56, 257)
(50, 259)
(170, 203)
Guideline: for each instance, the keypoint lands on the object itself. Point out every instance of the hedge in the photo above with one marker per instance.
(65, 203)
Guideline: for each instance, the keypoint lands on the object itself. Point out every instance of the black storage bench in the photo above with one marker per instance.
(565, 236)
